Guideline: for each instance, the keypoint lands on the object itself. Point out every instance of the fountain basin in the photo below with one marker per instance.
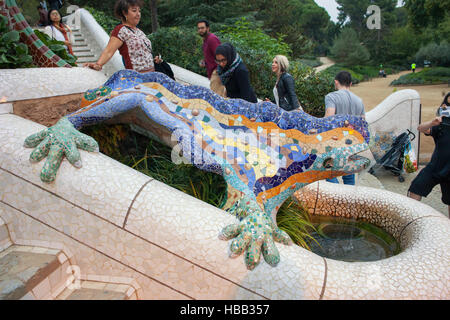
(350, 240)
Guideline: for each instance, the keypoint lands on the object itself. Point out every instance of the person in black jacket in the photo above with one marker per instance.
(233, 73)
(284, 90)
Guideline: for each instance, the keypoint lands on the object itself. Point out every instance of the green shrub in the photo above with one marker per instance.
(438, 54)
(348, 50)
(311, 88)
(427, 76)
(13, 53)
(106, 21)
(313, 63)
(58, 47)
(181, 46)
(242, 33)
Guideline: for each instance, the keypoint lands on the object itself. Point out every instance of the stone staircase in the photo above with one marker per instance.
(37, 273)
(82, 49)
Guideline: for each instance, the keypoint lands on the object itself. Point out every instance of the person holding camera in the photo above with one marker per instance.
(437, 170)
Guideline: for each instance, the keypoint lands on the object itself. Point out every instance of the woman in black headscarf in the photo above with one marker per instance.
(233, 73)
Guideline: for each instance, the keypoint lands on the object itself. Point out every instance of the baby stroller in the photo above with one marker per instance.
(399, 158)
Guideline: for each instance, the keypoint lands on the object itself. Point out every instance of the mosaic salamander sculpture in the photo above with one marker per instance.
(264, 153)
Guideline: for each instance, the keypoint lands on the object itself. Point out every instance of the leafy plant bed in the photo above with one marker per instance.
(154, 159)
(437, 75)
(13, 53)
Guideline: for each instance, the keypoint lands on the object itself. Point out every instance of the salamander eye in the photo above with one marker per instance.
(348, 141)
(328, 163)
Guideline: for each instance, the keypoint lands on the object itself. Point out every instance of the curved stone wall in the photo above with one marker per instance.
(420, 271)
(120, 223)
(397, 113)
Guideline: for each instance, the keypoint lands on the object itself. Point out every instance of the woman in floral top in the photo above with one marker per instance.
(132, 43)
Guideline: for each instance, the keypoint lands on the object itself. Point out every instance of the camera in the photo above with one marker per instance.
(443, 112)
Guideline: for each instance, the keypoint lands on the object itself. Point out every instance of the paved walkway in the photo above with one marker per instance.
(386, 180)
(327, 62)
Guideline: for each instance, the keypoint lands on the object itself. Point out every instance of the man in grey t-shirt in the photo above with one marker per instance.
(343, 101)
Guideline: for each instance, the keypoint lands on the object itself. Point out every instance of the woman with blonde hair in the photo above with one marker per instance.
(284, 90)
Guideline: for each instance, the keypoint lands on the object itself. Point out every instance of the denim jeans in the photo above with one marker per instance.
(349, 179)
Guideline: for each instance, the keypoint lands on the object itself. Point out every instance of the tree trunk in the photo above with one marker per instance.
(154, 9)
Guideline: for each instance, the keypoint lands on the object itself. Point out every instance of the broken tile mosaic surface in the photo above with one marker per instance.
(263, 152)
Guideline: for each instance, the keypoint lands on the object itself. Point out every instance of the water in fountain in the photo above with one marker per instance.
(350, 240)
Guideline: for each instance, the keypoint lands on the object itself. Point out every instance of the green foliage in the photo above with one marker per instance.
(302, 22)
(426, 12)
(313, 63)
(179, 45)
(430, 20)
(438, 54)
(242, 33)
(311, 87)
(13, 53)
(107, 22)
(436, 75)
(348, 50)
(293, 219)
(188, 12)
(403, 44)
(29, 11)
(58, 47)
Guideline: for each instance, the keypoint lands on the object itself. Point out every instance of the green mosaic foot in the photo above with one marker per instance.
(55, 142)
(257, 232)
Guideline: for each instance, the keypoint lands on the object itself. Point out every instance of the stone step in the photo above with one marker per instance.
(80, 41)
(32, 273)
(82, 49)
(93, 290)
(80, 45)
(80, 54)
(86, 59)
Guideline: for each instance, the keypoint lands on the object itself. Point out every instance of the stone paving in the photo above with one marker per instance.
(386, 180)
(19, 272)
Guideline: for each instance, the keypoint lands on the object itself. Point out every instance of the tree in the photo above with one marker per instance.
(348, 50)
(154, 11)
(302, 23)
(427, 12)
(354, 12)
